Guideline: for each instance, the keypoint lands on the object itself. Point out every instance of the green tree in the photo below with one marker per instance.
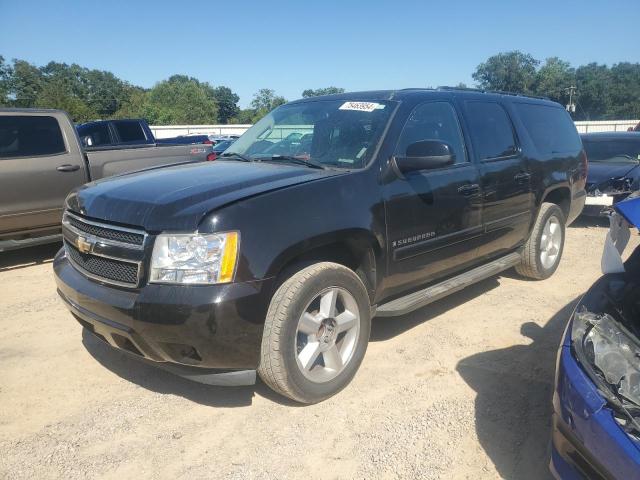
(180, 100)
(510, 72)
(266, 100)
(593, 83)
(624, 92)
(132, 104)
(5, 78)
(321, 91)
(245, 116)
(553, 80)
(227, 103)
(25, 84)
(58, 94)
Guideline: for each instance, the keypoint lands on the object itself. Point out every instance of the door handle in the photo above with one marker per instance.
(469, 189)
(68, 168)
(522, 177)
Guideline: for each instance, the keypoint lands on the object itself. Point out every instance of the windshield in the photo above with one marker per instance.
(614, 151)
(333, 133)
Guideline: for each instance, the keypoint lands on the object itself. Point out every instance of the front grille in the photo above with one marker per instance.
(123, 236)
(102, 267)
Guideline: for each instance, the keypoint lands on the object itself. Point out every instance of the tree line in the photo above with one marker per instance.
(597, 91)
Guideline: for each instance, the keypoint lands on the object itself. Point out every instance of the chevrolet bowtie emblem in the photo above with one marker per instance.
(84, 245)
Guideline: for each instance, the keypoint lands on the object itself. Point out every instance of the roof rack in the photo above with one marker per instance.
(498, 92)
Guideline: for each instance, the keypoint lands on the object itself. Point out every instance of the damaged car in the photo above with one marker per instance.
(596, 420)
(614, 173)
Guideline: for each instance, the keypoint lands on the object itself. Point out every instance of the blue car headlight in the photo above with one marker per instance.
(611, 350)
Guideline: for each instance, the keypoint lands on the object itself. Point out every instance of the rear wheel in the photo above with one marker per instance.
(543, 250)
(316, 333)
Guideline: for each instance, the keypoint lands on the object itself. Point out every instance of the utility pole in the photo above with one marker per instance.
(571, 107)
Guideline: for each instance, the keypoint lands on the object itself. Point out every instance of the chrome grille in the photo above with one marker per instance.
(104, 268)
(124, 236)
(105, 252)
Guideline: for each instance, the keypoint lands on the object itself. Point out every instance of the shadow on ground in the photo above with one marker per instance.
(584, 221)
(28, 257)
(514, 388)
(385, 328)
(152, 378)
(134, 370)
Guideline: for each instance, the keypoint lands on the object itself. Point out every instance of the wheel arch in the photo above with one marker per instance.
(559, 195)
(356, 249)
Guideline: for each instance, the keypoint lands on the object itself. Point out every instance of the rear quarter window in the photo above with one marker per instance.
(490, 130)
(550, 128)
(130, 132)
(30, 136)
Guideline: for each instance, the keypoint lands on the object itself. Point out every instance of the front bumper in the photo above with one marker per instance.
(587, 442)
(214, 327)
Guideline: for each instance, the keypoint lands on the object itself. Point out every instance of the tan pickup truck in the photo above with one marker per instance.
(42, 159)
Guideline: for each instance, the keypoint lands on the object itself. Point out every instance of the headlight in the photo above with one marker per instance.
(606, 344)
(194, 258)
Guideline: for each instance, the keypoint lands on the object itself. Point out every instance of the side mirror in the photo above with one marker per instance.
(424, 155)
(87, 141)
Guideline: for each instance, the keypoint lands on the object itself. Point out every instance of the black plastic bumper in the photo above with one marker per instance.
(217, 326)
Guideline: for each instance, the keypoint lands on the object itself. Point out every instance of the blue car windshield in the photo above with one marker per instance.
(333, 133)
(613, 151)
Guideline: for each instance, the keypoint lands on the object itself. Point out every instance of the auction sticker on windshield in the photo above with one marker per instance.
(361, 106)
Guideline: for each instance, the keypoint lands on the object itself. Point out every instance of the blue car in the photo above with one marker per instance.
(614, 169)
(596, 403)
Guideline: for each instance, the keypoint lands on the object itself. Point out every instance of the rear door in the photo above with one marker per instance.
(433, 216)
(38, 168)
(504, 176)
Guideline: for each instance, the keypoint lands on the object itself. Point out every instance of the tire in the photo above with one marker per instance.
(305, 366)
(540, 259)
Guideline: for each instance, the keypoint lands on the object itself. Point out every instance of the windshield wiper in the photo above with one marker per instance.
(296, 160)
(239, 156)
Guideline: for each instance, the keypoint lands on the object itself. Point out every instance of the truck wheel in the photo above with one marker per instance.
(543, 249)
(316, 333)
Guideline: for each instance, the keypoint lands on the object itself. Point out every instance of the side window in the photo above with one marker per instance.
(130, 131)
(433, 121)
(29, 136)
(550, 128)
(490, 130)
(97, 132)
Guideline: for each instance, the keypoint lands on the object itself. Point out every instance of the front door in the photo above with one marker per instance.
(504, 177)
(433, 216)
(36, 172)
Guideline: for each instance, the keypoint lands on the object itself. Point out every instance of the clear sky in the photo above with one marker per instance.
(293, 45)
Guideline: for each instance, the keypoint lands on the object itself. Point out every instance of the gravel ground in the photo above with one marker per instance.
(459, 389)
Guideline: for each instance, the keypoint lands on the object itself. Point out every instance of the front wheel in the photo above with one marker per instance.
(543, 250)
(316, 333)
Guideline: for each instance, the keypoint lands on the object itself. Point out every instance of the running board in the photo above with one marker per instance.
(419, 299)
(6, 245)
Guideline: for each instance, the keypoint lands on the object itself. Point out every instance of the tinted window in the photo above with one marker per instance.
(22, 136)
(433, 121)
(613, 150)
(550, 128)
(97, 132)
(130, 132)
(490, 130)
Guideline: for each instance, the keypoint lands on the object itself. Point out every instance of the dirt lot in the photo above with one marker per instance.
(460, 389)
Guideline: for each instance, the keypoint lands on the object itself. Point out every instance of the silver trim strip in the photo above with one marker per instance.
(107, 227)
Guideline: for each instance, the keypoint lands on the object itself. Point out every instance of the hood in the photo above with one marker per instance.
(600, 172)
(177, 198)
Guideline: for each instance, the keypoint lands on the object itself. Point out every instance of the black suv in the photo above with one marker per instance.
(327, 212)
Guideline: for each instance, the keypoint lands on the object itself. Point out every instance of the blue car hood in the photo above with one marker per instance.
(600, 172)
(630, 210)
